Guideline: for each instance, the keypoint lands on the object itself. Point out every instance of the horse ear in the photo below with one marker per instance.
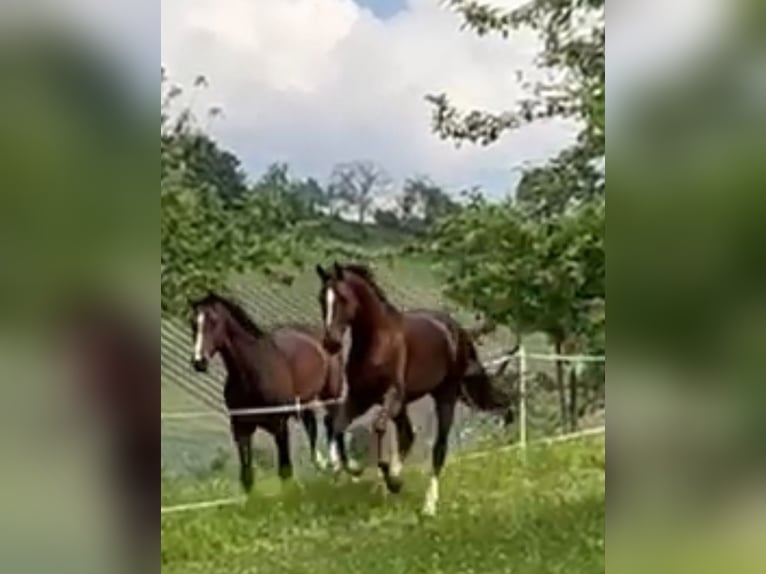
(338, 269)
(323, 275)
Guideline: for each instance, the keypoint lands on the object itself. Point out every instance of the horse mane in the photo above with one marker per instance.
(368, 276)
(236, 311)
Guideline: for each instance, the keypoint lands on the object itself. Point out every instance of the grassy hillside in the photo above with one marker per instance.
(497, 515)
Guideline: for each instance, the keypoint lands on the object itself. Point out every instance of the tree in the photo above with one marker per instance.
(546, 273)
(538, 277)
(574, 37)
(205, 237)
(423, 202)
(203, 161)
(357, 184)
(387, 218)
(569, 180)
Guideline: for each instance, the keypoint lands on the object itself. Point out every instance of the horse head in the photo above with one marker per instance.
(208, 330)
(340, 305)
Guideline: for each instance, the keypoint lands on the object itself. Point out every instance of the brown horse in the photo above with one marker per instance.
(396, 358)
(264, 370)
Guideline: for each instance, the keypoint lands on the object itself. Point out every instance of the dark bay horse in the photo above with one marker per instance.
(266, 369)
(396, 358)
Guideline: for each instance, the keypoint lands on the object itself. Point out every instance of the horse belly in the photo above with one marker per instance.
(308, 367)
(428, 359)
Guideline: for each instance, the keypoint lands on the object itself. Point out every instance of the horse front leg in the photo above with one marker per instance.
(309, 419)
(393, 403)
(282, 439)
(244, 439)
(337, 421)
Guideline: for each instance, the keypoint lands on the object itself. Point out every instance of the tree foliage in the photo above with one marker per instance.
(535, 277)
(537, 262)
(206, 235)
(187, 148)
(423, 203)
(574, 40)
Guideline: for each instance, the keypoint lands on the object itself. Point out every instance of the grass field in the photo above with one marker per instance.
(497, 514)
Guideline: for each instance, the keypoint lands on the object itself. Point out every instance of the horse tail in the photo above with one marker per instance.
(479, 390)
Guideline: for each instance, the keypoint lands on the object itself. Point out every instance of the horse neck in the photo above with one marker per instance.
(374, 315)
(243, 351)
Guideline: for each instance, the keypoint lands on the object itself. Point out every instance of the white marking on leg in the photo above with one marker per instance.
(334, 456)
(396, 461)
(330, 307)
(432, 497)
(354, 465)
(198, 343)
(319, 460)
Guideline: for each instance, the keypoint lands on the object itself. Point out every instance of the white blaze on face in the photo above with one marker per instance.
(432, 497)
(198, 343)
(329, 307)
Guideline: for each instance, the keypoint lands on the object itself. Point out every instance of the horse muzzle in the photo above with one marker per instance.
(200, 365)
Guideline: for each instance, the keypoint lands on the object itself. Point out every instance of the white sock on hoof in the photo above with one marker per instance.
(334, 456)
(319, 460)
(432, 497)
(396, 464)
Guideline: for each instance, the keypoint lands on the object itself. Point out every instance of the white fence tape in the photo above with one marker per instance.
(298, 406)
(567, 358)
(219, 503)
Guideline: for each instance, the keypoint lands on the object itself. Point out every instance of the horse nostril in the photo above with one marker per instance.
(200, 365)
(332, 346)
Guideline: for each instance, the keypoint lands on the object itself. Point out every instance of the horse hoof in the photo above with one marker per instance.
(394, 484)
(354, 470)
(429, 510)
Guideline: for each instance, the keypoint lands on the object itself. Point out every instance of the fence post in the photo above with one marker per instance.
(523, 397)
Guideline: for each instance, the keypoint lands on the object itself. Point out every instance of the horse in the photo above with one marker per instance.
(284, 367)
(396, 358)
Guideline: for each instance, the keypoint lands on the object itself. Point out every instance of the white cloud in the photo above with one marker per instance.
(315, 82)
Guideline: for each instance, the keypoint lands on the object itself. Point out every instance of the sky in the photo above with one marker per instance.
(316, 82)
(384, 8)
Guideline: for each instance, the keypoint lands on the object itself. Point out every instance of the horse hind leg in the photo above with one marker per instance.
(309, 420)
(445, 414)
(334, 439)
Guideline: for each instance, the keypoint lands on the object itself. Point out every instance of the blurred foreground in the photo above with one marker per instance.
(686, 280)
(79, 241)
